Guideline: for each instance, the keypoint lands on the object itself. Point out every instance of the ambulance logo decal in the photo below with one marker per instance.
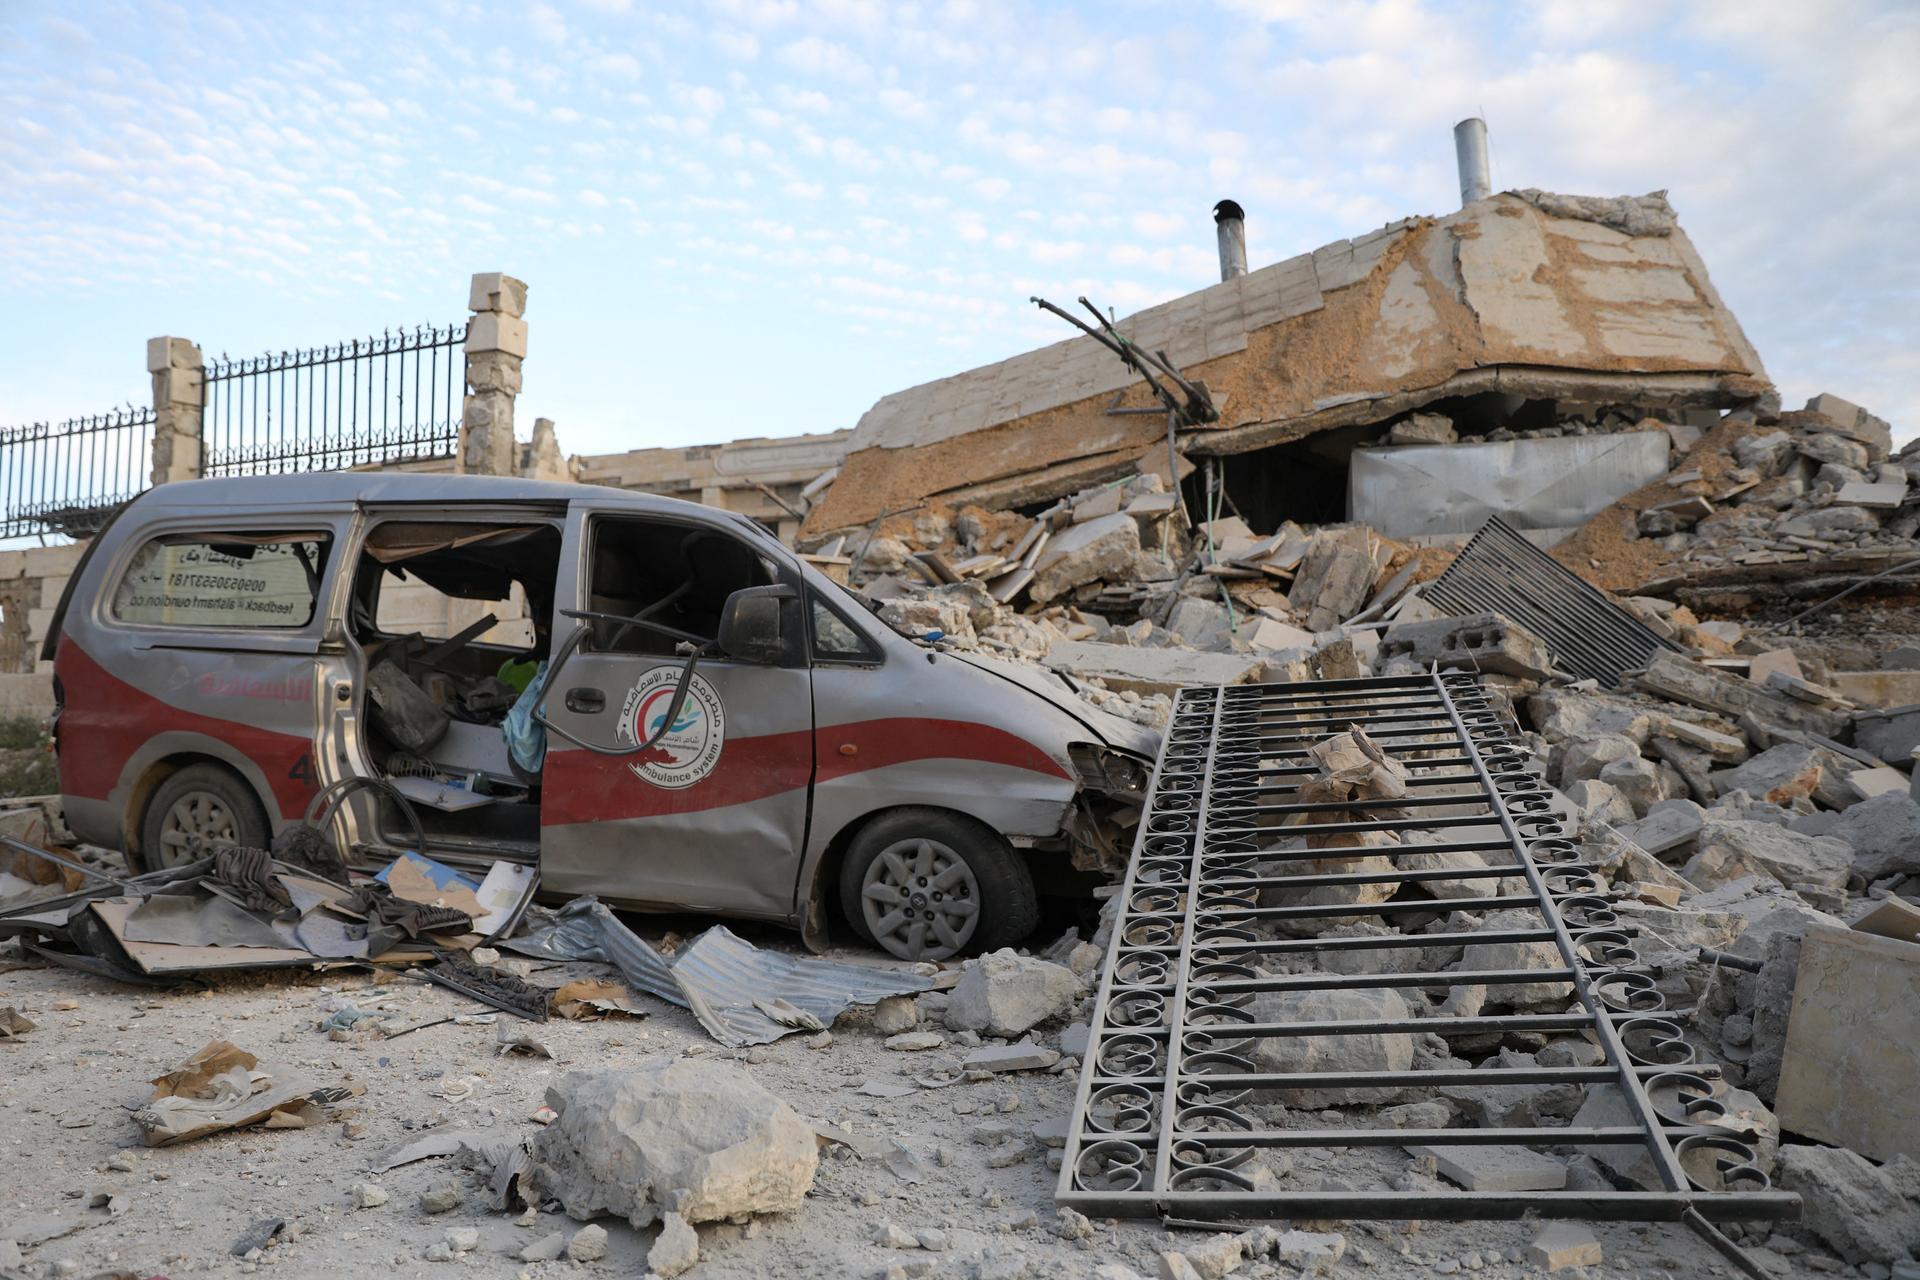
(691, 748)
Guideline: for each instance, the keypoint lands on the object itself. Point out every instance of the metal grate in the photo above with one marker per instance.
(1499, 571)
(1210, 1052)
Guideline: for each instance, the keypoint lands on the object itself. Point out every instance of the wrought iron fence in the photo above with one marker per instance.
(390, 398)
(68, 478)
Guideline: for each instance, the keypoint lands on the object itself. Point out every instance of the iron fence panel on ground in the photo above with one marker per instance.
(67, 478)
(390, 398)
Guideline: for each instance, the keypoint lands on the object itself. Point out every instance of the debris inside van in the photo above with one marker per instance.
(723, 979)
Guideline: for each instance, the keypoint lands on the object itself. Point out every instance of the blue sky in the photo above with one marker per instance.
(756, 217)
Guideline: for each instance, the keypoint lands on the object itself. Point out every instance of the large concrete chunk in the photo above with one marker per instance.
(1480, 1168)
(698, 1137)
(1884, 834)
(1367, 1051)
(1732, 848)
(1672, 676)
(1848, 1073)
(1517, 955)
(1857, 1209)
(1005, 993)
(1145, 671)
(1779, 775)
(1334, 578)
(1083, 553)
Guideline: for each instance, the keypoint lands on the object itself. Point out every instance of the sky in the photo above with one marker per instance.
(757, 217)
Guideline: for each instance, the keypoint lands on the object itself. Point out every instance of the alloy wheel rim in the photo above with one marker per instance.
(920, 900)
(197, 823)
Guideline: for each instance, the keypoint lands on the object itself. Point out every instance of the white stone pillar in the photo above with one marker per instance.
(496, 345)
(179, 407)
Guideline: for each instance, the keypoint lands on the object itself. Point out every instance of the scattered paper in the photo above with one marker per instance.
(223, 1087)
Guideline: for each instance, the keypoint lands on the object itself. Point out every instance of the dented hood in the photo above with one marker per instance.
(1056, 689)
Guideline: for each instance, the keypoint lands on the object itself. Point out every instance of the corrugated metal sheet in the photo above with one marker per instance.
(1499, 571)
(720, 976)
(1555, 483)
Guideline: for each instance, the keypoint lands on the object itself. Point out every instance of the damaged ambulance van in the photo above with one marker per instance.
(652, 701)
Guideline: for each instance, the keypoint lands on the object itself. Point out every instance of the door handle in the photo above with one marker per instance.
(586, 701)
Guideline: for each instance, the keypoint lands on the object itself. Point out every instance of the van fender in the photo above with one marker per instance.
(149, 764)
(1014, 802)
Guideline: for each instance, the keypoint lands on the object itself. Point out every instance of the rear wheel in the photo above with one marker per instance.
(198, 809)
(925, 885)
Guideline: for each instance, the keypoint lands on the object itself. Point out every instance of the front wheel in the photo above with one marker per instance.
(922, 884)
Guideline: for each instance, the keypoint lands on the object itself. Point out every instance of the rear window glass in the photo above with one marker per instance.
(253, 580)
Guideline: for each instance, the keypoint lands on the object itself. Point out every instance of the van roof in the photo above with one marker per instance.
(342, 487)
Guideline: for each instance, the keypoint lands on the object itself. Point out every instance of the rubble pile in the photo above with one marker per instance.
(1821, 481)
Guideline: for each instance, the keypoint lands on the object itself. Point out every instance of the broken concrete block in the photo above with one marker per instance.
(1868, 783)
(675, 1249)
(1371, 1051)
(1083, 553)
(1861, 1211)
(1213, 1258)
(1496, 1168)
(1423, 428)
(701, 1136)
(589, 1244)
(1601, 806)
(1884, 834)
(1025, 1056)
(1127, 669)
(546, 1248)
(1761, 666)
(1005, 993)
(1730, 848)
(1204, 624)
(1668, 825)
(1517, 955)
(1563, 715)
(1587, 757)
(1563, 1245)
(1314, 1252)
(1605, 1107)
(895, 1014)
(1638, 780)
(1669, 675)
(1874, 496)
(1265, 634)
(1726, 747)
(1482, 642)
(1333, 580)
(1779, 775)
(1847, 1072)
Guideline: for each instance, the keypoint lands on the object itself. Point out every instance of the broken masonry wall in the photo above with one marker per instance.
(1497, 297)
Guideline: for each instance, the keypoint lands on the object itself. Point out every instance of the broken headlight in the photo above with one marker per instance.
(1108, 771)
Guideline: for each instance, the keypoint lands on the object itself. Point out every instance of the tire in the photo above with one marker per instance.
(938, 858)
(197, 810)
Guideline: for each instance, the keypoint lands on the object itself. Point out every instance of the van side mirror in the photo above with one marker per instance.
(750, 623)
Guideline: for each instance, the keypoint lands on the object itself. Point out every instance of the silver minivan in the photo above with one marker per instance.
(652, 701)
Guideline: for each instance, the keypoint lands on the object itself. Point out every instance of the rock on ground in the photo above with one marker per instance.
(675, 1249)
(702, 1137)
(1862, 1210)
(1371, 1051)
(1884, 834)
(1007, 994)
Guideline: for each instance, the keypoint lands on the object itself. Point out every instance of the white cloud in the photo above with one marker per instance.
(743, 45)
(816, 56)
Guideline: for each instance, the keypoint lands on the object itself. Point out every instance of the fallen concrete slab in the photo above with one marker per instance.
(1847, 1074)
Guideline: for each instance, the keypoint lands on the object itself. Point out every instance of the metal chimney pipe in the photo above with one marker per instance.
(1470, 149)
(1230, 225)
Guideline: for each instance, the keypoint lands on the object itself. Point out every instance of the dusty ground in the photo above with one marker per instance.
(98, 1044)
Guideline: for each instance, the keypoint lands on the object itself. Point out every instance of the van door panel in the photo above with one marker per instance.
(715, 817)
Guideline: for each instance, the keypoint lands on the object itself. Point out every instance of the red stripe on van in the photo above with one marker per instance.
(600, 788)
(105, 720)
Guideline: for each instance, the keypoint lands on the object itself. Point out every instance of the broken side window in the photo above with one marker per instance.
(256, 580)
(676, 575)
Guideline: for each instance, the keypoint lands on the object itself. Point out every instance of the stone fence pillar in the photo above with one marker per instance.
(179, 405)
(496, 344)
